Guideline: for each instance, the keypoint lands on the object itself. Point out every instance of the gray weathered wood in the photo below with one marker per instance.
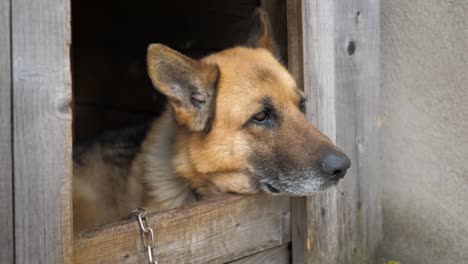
(6, 177)
(341, 78)
(42, 131)
(277, 255)
(216, 231)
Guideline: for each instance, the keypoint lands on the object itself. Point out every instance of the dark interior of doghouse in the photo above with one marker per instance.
(111, 88)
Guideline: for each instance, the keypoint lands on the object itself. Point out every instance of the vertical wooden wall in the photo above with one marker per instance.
(340, 44)
(35, 132)
(340, 58)
(6, 177)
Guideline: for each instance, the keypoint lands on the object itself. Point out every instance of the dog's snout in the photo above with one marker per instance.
(335, 164)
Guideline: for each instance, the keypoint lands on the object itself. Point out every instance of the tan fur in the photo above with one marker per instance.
(151, 183)
(222, 154)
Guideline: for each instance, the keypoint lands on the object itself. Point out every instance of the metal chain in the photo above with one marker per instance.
(147, 234)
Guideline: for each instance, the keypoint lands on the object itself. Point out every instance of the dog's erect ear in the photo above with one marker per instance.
(188, 84)
(261, 34)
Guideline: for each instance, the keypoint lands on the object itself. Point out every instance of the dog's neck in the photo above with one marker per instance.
(162, 187)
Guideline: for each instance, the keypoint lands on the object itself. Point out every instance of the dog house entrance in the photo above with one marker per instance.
(111, 90)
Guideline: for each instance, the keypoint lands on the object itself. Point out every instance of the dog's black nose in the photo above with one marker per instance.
(335, 164)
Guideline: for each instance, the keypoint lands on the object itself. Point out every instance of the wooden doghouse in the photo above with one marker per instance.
(80, 64)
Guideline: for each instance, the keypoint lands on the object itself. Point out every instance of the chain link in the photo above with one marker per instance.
(147, 234)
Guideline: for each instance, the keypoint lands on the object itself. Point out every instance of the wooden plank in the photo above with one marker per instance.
(42, 131)
(363, 51)
(300, 230)
(341, 47)
(295, 40)
(6, 176)
(210, 232)
(277, 255)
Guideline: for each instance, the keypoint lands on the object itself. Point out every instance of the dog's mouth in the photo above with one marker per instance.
(299, 190)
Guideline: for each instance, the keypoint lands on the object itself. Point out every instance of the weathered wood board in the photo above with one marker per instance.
(6, 176)
(340, 56)
(41, 130)
(295, 40)
(209, 232)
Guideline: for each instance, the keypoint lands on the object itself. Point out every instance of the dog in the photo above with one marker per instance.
(234, 123)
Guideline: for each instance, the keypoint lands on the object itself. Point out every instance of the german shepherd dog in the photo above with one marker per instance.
(234, 123)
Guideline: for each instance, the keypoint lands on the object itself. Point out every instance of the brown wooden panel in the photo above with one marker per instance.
(300, 231)
(341, 45)
(42, 131)
(277, 255)
(211, 232)
(295, 40)
(6, 177)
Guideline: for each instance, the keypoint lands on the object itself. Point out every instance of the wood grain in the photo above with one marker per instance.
(277, 255)
(42, 131)
(6, 176)
(210, 232)
(341, 79)
(295, 41)
(300, 230)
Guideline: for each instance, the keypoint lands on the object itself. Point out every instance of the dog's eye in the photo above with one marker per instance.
(260, 117)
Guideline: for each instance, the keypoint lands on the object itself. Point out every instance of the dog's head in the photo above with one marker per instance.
(241, 122)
